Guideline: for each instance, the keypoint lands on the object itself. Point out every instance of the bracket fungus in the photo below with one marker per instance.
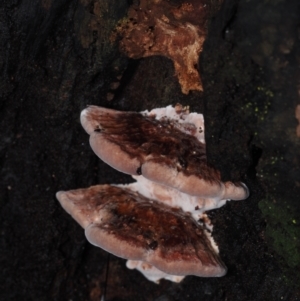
(130, 226)
(175, 30)
(163, 150)
(153, 222)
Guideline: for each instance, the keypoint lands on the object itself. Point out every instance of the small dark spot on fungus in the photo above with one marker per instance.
(153, 245)
(139, 171)
(201, 221)
(182, 162)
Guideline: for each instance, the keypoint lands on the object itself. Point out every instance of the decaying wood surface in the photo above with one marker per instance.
(56, 57)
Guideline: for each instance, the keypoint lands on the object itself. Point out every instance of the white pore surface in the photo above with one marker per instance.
(183, 117)
(173, 197)
(151, 272)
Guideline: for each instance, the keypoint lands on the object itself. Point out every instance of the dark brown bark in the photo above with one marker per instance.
(56, 57)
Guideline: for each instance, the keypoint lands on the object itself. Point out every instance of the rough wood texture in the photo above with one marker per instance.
(56, 57)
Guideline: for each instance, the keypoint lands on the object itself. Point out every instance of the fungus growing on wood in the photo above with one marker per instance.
(177, 31)
(158, 223)
(131, 226)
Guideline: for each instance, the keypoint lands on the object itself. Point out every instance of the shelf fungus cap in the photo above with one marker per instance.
(163, 148)
(133, 227)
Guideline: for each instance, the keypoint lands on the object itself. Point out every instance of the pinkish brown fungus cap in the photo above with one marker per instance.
(131, 226)
(138, 144)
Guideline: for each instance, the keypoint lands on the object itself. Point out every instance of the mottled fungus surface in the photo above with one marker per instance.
(163, 150)
(177, 31)
(130, 226)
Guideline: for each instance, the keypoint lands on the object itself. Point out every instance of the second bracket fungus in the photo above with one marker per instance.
(130, 226)
(154, 222)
